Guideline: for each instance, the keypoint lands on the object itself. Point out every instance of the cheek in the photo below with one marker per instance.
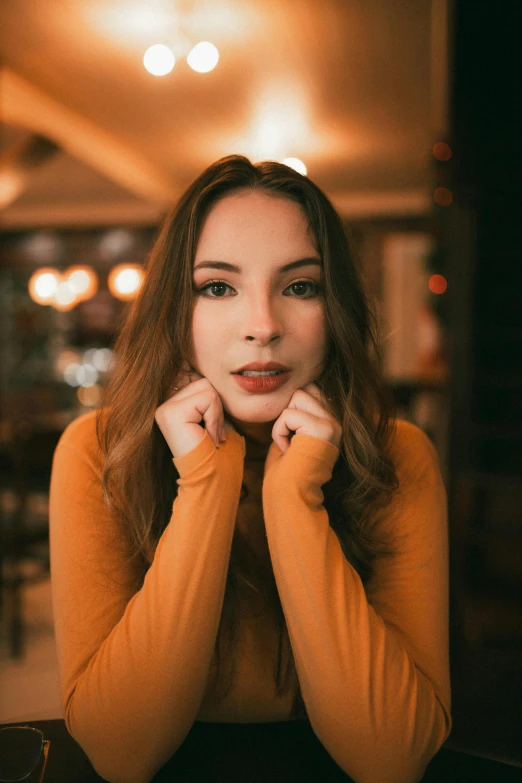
(314, 329)
(207, 334)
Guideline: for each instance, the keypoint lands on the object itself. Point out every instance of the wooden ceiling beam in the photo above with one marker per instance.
(19, 162)
(27, 106)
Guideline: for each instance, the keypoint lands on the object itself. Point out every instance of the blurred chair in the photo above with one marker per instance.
(28, 442)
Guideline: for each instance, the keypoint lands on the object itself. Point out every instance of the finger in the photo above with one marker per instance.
(309, 399)
(291, 422)
(181, 383)
(207, 412)
(217, 425)
(213, 416)
(315, 392)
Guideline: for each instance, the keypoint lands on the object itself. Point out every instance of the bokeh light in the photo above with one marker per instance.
(83, 280)
(70, 374)
(159, 60)
(442, 151)
(43, 285)
(65, 297)
(296, 164)
(64, 359)
(443, 197)
(438, 284)
(203, 57)
(125, 281)
(100, 358)
(103, 359)
(89, 396)
(76, 374)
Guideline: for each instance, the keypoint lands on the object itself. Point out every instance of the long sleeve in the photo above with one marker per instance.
(134, 662)
(373, 664)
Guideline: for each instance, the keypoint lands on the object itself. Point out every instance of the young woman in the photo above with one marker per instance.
(233, 548)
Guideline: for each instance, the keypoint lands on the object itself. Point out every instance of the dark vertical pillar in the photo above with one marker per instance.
(482, 229)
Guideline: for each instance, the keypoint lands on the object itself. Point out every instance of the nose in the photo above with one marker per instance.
(262, 323)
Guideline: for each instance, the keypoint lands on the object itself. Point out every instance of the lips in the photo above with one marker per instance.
(263, 367)
(263, 384)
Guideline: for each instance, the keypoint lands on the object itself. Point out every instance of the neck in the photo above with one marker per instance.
(258, 435)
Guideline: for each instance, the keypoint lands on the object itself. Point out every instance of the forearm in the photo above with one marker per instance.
(378, 715)
(135, 700)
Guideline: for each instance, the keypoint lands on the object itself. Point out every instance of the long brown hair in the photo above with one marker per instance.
(139, 477)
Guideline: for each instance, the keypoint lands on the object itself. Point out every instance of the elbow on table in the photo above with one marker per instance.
(391, 768)
(110, 764)
(111, 767)
(392, 760)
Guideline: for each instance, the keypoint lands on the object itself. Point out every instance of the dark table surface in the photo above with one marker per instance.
(282, 752)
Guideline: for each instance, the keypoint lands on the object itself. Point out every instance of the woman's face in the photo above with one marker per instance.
(257, 313)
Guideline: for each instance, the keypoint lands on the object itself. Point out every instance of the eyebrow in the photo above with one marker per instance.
(225, 267)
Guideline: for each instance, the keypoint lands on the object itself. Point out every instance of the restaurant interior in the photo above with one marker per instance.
(406, 115)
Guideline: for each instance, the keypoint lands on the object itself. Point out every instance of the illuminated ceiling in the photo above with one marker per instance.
(355, 88)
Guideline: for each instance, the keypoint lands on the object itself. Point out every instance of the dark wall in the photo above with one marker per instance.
(487, 228)
(482, 233)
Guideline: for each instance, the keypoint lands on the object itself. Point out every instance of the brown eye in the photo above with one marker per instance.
(303, 283)
(213, 284)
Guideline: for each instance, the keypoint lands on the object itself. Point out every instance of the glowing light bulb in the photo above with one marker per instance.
(203, 57)
(296, 164)
(159, 60)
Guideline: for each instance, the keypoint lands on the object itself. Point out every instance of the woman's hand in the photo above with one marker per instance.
(181, 416)
(307, 414)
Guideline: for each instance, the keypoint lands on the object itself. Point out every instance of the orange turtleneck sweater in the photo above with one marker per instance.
(372, 661)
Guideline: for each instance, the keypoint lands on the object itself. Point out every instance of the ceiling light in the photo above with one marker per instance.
(203, 57)
(296, 164)
(159, 60)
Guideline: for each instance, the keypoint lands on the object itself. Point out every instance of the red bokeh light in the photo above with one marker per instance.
(443, 197)
(442, 151)
(437, 284)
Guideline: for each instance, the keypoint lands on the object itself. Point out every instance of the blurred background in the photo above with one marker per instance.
(407, 114)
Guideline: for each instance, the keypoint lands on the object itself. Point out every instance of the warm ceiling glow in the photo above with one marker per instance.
(83, 281)
(203, 57)
(437, 284)
(280, 118)
(43, 285)
(125, 281)
(159, 60)
(296, 164)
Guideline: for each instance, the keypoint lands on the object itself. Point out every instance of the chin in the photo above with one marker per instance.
(256, 412)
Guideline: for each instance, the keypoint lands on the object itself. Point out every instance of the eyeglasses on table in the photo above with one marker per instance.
(21, 750)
